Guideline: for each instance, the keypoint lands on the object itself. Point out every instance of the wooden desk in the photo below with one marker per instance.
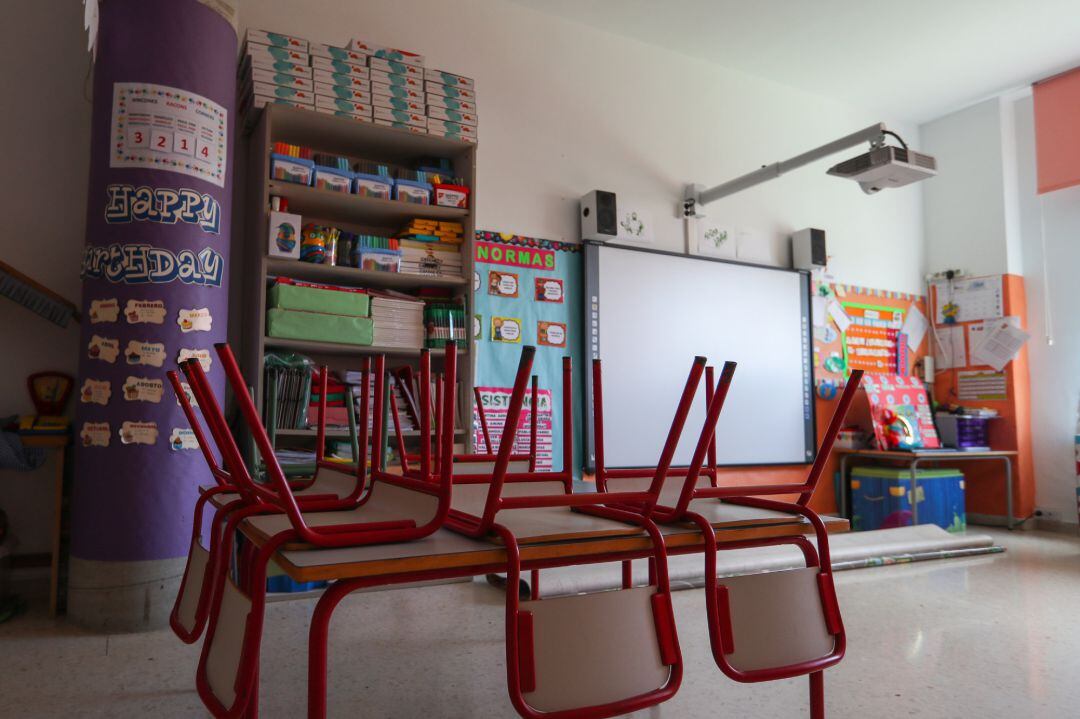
(913, 460)
(57, 443)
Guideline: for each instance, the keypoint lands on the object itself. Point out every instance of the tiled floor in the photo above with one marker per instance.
(996, 636)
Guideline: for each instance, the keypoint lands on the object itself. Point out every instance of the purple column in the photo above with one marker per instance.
(155, 274)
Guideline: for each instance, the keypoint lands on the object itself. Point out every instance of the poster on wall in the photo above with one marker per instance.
(527, 291)
(166, 128)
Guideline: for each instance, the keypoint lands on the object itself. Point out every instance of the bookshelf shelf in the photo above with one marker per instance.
(358, 140)
(278, 266)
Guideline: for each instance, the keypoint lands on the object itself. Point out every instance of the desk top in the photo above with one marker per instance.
(45, 441)
(926, 454)
(447, 550)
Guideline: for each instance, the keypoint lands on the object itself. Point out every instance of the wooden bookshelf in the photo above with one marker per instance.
(357, 140)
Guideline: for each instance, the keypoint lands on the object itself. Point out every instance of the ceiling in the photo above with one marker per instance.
(911, 60)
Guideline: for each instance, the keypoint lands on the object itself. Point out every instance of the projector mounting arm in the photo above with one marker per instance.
(696, 197)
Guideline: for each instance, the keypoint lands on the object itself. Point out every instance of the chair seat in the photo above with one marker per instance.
(387, 503)
(332, 482)
(542, 524)
(593, 649)
(718, 512)
(777, 619)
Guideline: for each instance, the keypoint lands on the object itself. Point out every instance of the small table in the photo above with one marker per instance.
(916, 457)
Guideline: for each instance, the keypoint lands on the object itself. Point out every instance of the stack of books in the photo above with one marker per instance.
(430, 247)
(354, 382)
(398, 319)
(287, 380)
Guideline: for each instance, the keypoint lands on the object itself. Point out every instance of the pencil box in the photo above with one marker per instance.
(451, 103)
(342, 93)
(261, 101)
(398, 103)
(437, 88)
(333, 103)
(464, 118)
(411, 118)
(373, 186)
(291, 169)
(338, 67)
(332, 78)
(451, 129)
(397, 68)
(276, 39)
(342, 54)
(280, 78)
(448, 78)
(451, 195)
(402, 91)
(401, 126)
(272, 53)
(373, 258)
(331, 178)
(319, 327)
(418, 193)
(275, 66)
(386, 53)
(395, 80)
(342, 113)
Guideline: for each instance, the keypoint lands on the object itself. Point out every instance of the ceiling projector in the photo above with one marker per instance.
(886, 166)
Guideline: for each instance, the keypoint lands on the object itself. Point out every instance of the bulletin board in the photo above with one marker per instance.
(878, 331)
(527, 291)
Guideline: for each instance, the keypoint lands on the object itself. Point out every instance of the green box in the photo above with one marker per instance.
(319, 326)
(314, 299)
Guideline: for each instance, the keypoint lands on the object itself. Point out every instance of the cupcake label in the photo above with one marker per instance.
(190, 395)
(95, 434)
(181, 439)
(138, 312)
(143, 389)
(105, 349)
(195, 320)
(145, 353)
(138, 433)
(95, 391)
(104, 310)
(202, 355)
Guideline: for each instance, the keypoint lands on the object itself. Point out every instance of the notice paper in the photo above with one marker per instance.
(978, 331)
(914, 327)
(980, 385)
(1001, 344)
(839, 316)
(817, 310)
(950, 350)
(968, 300)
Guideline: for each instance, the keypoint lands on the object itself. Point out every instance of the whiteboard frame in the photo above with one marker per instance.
(591, 338)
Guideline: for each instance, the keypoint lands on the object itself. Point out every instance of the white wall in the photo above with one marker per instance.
(1055, 369)
(48, 128)
(565, 109)
(964, 206)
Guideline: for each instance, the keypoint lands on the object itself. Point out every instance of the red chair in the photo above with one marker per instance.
(771, 625)
(549, 641)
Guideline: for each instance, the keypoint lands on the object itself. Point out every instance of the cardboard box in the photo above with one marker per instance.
(464, 118)
(451, 103)
(397, 68)
(410, 93)
(448, 78)
(437, 88)
(330, 78)
(278, 66)
(319, 327)
(386, 53)
(275, 39)
(313, 297)
(342, 93)
(451, 129)
(333, 103)
(400, 126)
(411, 118)
(342, 54)
(342, 113)
(306, 97)
(269, 53)
(395, 80)
(338, 67)
(398, 103)
(284, 240)
(261, 101)
(280, 78)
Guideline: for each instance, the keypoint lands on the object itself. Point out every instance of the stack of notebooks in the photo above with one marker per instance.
(336, 411)
(430, 247)
(353, 380)
(288, 377)
(398, 320)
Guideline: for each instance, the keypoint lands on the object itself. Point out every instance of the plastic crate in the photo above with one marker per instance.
(962, 431)
(881, 498)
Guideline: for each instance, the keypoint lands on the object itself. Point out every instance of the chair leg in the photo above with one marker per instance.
(627, 574)
(817, 695)
(318, 640)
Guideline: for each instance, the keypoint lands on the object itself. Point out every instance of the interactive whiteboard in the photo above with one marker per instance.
(649, 313)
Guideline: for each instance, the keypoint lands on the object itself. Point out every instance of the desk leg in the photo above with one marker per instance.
(320, 629)
(57, 534)
(915, 492)
(1010, 522)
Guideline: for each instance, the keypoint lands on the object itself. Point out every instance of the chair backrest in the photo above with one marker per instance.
(359, 532)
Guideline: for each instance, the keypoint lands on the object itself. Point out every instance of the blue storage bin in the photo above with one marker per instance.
(333, 179)
(411, 191)
(373, 186)
(291, 169)
(881, 498)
